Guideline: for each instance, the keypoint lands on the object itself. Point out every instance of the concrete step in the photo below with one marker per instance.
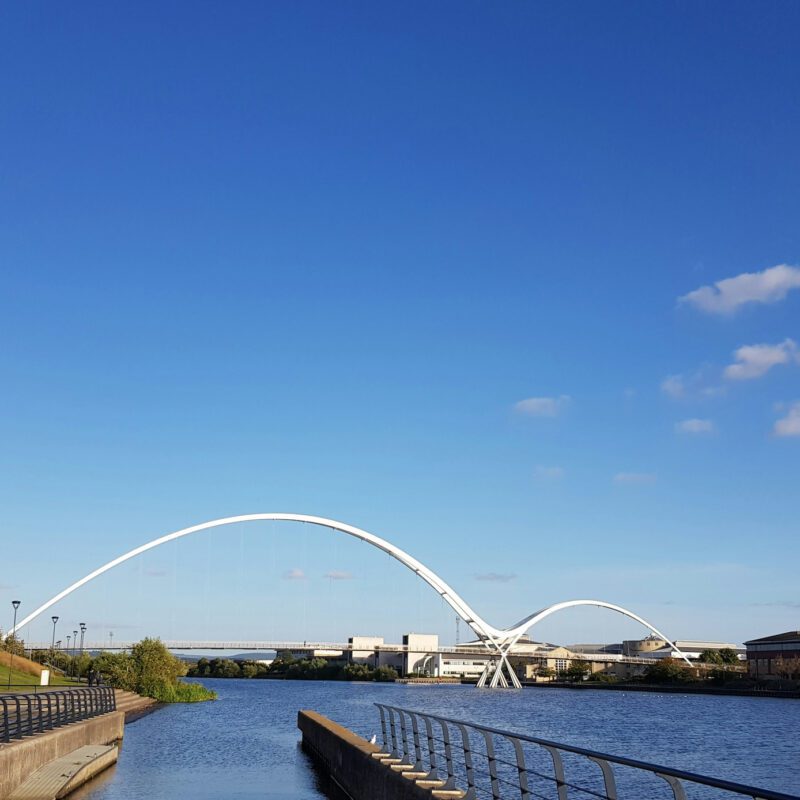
(63, 775)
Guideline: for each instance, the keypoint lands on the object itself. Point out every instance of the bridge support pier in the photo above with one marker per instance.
(499, 668)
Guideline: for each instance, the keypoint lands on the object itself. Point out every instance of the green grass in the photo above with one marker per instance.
(25, 679)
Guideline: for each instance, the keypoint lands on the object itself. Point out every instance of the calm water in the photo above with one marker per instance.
(244, 745)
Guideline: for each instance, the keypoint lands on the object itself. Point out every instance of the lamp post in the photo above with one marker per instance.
(111, 640)
(74, 648)
(83, 631)
(16, 604)
(53, 643)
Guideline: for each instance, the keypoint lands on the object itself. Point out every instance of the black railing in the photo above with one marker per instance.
(26, 714)
(483, 762)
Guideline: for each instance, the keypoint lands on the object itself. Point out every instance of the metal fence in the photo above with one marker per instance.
(26, 714)
(451, 755)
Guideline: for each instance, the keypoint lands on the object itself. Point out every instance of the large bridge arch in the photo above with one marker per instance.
(497, 640)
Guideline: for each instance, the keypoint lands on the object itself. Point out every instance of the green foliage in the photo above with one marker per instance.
(729, 656)
(576, 671)
(545, 672)
(12, 644)
(181, 692)
(667, 670)
(711, 657)
(150, 669)
(602, 677)
(385, 674)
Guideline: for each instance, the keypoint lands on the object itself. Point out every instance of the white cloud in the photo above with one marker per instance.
(790, 424)
(695, 426)
(542, 406)
(726, 296)
(755, 360)
(552, 473)
(496, 577)
(295, 574)
(674, 386)
(701, 384)
(634, 477)
(339, 575)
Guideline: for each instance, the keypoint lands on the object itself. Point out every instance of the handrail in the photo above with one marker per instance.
(24, 714)
(396, 743)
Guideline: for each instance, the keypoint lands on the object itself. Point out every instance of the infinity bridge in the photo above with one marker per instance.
(498, 642)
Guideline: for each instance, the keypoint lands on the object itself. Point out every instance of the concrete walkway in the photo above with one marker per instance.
(62, 776)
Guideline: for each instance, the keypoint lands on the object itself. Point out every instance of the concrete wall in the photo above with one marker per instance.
(21, 758)
(347, 759)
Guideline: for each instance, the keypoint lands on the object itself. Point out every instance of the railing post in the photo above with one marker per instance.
(404, 736)
(608, 777)
(558, 771)
(418, 765)
(450, 783)
(393, 727)
(39, 712)
(383, 726)
(676, 786)
(433, 775)
(470, 769)
(492, 763)
(4, 737)
(522, 771)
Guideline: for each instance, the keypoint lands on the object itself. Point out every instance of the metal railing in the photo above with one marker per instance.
(26, 714)
(483, 762)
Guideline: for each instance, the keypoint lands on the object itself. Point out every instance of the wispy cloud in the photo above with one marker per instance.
(339, 575)
(755, 360)
(790, 424)
(549, 473)
(701, 384)
(496, 577)
(695, 426)
(674, 386)
(542, 406)
(728, 295)
(156, 573)
(634, 477)
(779, 604)
(295, 574)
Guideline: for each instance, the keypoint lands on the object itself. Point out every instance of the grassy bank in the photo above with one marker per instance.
(25, 679)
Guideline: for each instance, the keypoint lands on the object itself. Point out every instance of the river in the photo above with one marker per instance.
(245, 745)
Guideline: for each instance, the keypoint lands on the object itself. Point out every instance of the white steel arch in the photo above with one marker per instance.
(497, 641)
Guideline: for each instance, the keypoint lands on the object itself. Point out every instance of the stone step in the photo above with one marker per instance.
(63, 775)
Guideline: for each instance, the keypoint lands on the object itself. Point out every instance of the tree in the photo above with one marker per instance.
(545, 672)
(667, 670)
(385, 674)
(711, 656)
(577, 670)
(728, 655)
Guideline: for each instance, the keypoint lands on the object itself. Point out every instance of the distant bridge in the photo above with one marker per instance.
(345, 647)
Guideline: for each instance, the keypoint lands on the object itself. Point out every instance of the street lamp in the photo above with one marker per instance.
(53, 643)
(111, 640)
(74, 648)
(83, 631)
(16, 604)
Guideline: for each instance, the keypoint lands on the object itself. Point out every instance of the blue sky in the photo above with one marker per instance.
(434, 271)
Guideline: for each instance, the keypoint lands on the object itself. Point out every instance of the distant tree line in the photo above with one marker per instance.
(290, 668)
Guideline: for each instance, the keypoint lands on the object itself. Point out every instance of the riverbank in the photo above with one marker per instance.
(666, 689)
